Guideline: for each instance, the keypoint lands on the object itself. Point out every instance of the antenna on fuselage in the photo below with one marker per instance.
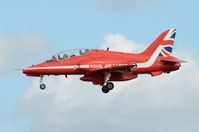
(107, 49)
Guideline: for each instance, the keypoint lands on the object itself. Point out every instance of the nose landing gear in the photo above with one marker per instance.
(42, 86)
(107, 87)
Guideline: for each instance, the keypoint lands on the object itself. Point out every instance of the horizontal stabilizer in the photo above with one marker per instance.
(173, 61)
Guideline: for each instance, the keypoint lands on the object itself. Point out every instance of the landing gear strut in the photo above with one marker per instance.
(42, 86)
(107, 87)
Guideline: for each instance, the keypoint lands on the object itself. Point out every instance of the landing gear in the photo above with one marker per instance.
(42, 86)
(110, 85)
(106, 88)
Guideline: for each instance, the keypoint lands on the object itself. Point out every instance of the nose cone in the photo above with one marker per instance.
(27, 71)
(32, 71)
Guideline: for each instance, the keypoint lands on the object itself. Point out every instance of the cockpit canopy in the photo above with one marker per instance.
(68, 54)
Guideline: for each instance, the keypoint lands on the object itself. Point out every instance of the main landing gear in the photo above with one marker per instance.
(107, 87)
(42, 86)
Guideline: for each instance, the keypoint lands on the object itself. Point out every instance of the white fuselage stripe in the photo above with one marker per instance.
(151, 60)
(62, 67)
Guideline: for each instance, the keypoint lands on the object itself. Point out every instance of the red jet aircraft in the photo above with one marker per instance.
(101, 67)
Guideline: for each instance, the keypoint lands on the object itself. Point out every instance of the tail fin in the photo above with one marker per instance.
(163, 45)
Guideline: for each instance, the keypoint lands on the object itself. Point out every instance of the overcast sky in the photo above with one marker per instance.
(31, 31)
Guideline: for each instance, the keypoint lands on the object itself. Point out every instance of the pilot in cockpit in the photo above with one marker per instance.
(64, 57)
(59, 57)
(81, 52)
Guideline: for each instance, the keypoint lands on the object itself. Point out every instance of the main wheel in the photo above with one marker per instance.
(110, 85)
(105, 89)
(42, 86)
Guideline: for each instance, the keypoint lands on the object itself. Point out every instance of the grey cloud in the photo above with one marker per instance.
(17, 49)
(147, 104)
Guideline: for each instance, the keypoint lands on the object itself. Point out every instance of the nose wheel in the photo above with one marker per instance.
(107, 87)
(42, 86)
